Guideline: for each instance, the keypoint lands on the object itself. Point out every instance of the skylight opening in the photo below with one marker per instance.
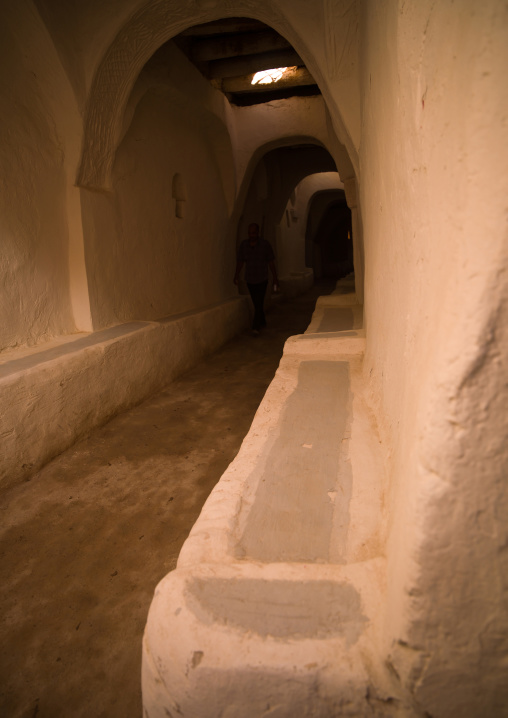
(265, 77)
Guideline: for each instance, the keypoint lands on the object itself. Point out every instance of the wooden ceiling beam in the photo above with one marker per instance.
(246, 99)
(252, 43)
(225, 27)
(292, 78)
(236, 66)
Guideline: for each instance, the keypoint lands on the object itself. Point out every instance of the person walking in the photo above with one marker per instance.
(257, 255)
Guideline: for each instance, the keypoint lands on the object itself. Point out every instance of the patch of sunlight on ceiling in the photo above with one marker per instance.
(265, 77)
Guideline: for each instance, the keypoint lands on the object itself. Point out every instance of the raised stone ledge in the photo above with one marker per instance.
(274, 608)
(53, 395)
(336, 344)
(248, 640)
(336, 312)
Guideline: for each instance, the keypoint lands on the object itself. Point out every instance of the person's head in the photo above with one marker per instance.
(253, 232)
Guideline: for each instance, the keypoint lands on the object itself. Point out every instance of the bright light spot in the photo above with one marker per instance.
(266, 76)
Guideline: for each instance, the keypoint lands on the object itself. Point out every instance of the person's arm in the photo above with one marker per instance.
(273, 270)
(239, 265)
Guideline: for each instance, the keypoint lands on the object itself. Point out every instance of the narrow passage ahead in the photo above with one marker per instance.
(84, 543)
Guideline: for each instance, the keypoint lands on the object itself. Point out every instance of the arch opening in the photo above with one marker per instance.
(278, 199)
(329, 235)
(134, 46)
(205, 138)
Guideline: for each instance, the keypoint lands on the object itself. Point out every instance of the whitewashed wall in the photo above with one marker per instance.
(35, 302)
(434, 188)
(145, 261)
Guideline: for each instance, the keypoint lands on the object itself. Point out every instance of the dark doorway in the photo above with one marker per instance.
(329, 235)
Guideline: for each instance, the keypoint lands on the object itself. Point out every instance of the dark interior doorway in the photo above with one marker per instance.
(329, 236)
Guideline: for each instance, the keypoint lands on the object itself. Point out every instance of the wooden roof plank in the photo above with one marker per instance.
(236, 66)
(292, 78)
(220, 47)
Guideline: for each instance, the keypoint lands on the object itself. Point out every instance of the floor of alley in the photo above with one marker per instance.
(86, 540)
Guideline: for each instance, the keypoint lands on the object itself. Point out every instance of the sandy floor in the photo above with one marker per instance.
(84, 543)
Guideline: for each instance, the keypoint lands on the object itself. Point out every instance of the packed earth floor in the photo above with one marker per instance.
(87, 539)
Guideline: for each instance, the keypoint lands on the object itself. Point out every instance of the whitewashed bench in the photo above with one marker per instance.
(274, 608)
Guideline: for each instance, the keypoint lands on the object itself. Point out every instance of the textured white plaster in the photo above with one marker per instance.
(145, 259)
(434, 191)
(34, 254)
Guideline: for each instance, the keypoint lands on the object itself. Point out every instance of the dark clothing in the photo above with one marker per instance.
(256, 260)
(257, 293)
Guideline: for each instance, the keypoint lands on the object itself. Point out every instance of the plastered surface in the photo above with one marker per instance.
(145, 261)
(34, 242)
(436, 338)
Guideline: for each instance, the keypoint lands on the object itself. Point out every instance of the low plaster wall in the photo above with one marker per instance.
(53, 396)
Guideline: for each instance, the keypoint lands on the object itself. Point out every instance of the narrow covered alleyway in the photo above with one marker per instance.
(325, 516)
(86, 540)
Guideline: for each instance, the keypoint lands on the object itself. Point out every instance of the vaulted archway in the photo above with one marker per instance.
(148, 29)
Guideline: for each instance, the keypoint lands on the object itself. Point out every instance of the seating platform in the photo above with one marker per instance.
(275, 606)
(55, 393)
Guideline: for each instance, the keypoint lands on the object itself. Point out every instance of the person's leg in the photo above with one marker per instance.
(257, 293)
(254, 293)
(262, 295)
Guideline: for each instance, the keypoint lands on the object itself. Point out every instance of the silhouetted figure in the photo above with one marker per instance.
(257, 255)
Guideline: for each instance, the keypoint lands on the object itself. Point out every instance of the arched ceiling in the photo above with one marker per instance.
(230, 51)
(153, 24)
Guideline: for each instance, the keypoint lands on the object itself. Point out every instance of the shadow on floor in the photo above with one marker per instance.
(85, 542)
